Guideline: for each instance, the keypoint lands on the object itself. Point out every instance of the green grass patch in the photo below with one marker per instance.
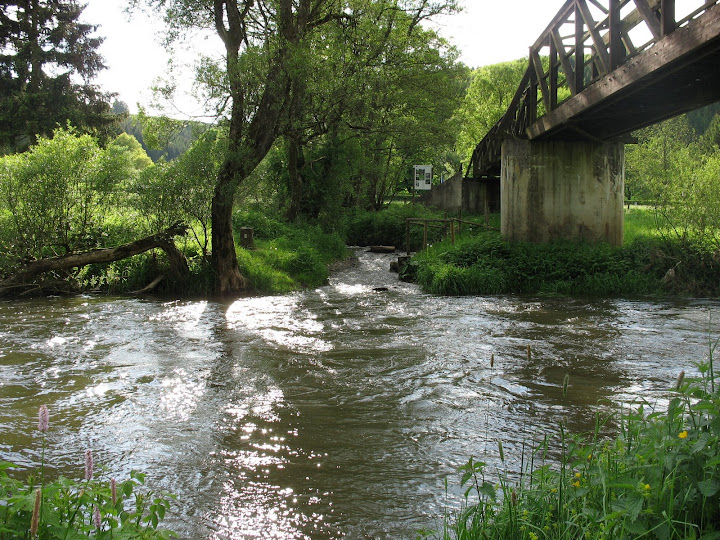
(658, 478)
(651, 262)
(286, 257)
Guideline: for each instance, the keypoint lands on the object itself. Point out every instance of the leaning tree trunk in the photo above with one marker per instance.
(23, 278)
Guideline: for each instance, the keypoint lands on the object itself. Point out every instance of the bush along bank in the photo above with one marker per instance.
(659, 478)
(487, 264)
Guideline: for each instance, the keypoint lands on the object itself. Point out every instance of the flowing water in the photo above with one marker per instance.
(332, 413)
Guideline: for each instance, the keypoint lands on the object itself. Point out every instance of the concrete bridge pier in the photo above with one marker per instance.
(562, 189)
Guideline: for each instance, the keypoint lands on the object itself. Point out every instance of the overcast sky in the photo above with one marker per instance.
(487, 32)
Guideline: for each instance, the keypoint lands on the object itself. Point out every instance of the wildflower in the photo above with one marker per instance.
(576, 483)
(513, 498)
(96, 518)
(35, 521)
(578, 475)
(43, 418)
(647, 487)
(589, 457)
(88, 465)
(683, 434)
(113, 491)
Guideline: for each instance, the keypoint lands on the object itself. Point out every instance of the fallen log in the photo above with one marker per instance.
(164, 240)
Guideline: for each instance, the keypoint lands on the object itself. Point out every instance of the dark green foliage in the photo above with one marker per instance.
(45, 49)
(487, 264)
(388, 227)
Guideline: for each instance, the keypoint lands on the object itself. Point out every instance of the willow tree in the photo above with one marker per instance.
(265, 44)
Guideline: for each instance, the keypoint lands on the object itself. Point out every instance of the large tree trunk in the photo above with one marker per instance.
(296, 161)
(22, 279)
(228, 279)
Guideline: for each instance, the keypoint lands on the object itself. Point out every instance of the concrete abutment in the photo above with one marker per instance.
(562, 189)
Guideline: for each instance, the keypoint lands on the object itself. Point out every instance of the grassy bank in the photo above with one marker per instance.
(658, 478)
(649, 263)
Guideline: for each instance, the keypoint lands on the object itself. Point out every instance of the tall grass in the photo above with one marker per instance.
(659, 478)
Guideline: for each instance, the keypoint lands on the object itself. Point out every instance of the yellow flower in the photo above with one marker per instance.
(578, 475)
(647, 487)
(683, 434)
(576, 483)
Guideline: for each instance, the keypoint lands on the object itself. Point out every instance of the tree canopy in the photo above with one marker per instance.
(261, 86)
(47, 59)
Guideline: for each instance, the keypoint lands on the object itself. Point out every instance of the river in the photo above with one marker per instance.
(337, 412)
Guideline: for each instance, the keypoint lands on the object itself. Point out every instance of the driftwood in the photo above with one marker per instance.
(23, 278)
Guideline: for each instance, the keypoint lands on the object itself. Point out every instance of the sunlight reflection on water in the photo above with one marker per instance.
(329, 413)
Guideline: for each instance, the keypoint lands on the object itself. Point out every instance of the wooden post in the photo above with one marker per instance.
(579, 51)
(554, 71)
(247, 237)
(617, 47)
(407, 236)
(532, 92)
(667, 16)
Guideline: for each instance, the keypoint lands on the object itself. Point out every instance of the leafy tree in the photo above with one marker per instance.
(44, 50)
(127, 143)
(183, 188)
(57, 194)
(679, 171)
(388, 104)
(266, 44)
(490, 92)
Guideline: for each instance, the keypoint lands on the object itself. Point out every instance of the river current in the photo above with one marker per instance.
(338, 412)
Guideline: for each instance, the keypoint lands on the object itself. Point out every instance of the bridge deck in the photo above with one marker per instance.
(611, 85)
(678, 74)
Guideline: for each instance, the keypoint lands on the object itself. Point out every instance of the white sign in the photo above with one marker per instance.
(423, 177)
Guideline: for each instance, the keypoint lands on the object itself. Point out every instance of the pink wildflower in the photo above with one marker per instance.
(88, 465)
(113, 491)
(96, 517)
(43, 418)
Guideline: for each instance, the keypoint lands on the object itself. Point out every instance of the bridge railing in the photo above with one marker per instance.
(585, 41)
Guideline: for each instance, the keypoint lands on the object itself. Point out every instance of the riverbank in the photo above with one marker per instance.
(657, 478)
(651, 263)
